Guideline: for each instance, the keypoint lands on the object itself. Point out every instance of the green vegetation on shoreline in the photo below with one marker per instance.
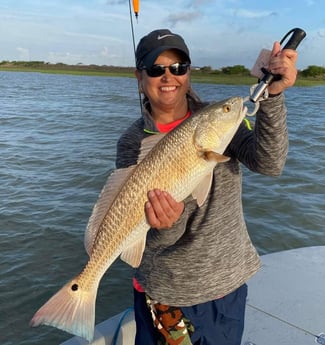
(235, 75)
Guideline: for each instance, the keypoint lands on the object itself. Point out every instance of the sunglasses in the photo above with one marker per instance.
(175, 69)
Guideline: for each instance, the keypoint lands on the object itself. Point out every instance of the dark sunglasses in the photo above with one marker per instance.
(159, 70)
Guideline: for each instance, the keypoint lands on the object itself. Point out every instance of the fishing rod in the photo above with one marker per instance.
(136, 13)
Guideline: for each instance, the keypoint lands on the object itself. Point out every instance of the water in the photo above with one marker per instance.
(57, 147)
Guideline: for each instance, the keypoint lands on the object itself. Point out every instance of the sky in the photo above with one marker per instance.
(218, 33)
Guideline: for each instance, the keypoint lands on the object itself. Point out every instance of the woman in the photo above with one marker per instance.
(190, 286)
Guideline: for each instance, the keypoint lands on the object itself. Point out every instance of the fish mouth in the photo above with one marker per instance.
(244, 111)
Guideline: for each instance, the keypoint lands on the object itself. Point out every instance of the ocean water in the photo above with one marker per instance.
(57, 147)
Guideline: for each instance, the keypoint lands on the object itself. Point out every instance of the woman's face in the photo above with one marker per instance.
(167, 91)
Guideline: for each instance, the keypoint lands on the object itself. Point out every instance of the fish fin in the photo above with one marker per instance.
(71, 309)
(215, 156)
(133, 254)
(148, 143)
(201, 192)
(105, 199)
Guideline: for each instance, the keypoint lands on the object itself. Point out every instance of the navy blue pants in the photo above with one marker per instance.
(218, 322)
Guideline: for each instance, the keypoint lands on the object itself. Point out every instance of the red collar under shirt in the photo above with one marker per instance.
(167, 127)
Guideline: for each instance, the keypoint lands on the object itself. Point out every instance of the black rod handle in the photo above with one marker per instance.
(294, 41)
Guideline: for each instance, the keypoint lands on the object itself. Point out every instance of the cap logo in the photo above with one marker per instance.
(160, 37)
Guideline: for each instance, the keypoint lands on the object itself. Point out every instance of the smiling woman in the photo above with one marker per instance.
(180, 231)
(58, 143)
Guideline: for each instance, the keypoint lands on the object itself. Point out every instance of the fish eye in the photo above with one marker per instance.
(226, 108)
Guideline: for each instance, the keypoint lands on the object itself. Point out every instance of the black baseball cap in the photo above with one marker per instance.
(157, 41)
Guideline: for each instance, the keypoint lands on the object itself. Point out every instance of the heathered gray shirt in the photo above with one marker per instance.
(208, 252)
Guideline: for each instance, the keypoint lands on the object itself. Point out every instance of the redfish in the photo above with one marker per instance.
(180, 163)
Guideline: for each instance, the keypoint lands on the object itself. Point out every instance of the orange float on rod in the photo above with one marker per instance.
(136, 7)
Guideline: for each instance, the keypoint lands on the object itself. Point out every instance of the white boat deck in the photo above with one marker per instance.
(286, 299)
(285, 305)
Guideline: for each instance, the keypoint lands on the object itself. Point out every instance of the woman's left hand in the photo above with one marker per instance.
(282, 62)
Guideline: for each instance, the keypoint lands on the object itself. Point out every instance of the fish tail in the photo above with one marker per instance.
(71, 309)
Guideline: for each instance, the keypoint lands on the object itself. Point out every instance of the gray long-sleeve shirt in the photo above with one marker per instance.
(208, 252)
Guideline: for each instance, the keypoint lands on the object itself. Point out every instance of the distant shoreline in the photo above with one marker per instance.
(197, 76)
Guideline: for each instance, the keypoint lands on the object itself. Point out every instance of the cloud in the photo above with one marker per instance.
(200, 3)
(321, 33)
(105, 52)
(65, 57)
(23, 53)
(187, 17)
(243, 13)
(116, 2)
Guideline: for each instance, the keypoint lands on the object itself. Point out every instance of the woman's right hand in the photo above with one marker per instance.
(162, 210)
